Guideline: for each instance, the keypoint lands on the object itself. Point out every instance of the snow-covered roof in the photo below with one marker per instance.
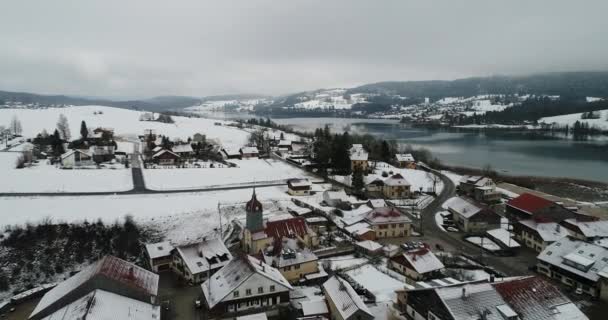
(504, 236)
(159, 153)
(369, 245)
(299, 182)
(405, 157)
(205, 256)
(548, 231)
(386, 215)
(420, 260)
(158, 250)
(344, 297)
(249, 150)
(396, 180)
(376, 203)
(180, 148)
(463, 207)
(581, 258)
(109, 268)
(157, 149)
(285, 143)
(104, 305)
(359, 228)
(289, 253)
(335, 195)
(591, 229)
(297, 210)
(315, 307)
(71, 152)
(230, 277)
(359, 155)
(231, 151)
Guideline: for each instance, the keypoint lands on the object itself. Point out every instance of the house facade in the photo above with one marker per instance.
(388, 222)
(417, 265)
(480, 188)
(246, 285)
(472, 218)
(76, 158)
(537, 235)
(396, 187)
(343, 301)
(195, 262)
(576, 264)
(159, 256)
(299, 187)
(406, 160)
(165, 157)
(358, 160)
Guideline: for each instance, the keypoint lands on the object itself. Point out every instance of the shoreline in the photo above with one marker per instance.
(577, 189)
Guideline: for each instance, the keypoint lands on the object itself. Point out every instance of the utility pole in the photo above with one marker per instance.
(219, 212)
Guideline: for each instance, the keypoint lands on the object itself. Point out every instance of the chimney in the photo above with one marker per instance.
(491, 278)
(464, 292)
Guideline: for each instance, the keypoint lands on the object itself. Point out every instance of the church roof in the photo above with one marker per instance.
(253, 205)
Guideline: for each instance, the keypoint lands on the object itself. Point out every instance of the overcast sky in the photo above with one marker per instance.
(146, 48)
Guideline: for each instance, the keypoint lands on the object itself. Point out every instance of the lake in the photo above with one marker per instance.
(509, 152)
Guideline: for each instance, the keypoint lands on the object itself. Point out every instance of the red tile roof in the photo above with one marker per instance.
(529, 203)
(129, 274)
(286, 228)
(531, 297)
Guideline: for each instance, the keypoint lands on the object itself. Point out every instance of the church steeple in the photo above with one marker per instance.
(254, 211)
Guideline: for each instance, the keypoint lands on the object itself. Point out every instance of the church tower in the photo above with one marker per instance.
(255, 221)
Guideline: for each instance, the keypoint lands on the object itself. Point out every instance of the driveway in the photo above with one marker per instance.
(180, 296)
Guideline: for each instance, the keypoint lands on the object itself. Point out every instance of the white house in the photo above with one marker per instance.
(76, 158)
(245, 285)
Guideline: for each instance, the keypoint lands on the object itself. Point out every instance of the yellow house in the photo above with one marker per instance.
(293, 262)
(358, 160)
(396, 187)
(388, 222)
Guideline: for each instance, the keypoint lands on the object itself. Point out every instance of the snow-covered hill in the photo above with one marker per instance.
(229, 105)
(327, 99)
(569, 119)
(124, 122)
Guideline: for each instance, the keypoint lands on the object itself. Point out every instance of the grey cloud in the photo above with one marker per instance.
(145, 48)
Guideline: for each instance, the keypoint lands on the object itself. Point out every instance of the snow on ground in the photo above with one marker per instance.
(197, 210)
(221, 105)
(594, 99)
(332, 98)
(486, 105)
(452, 176)
(42, 177)
(123, 121)
(346, 261)
(380, 284)
(439, 219)
(248, 171)
(507, 193)
(570, 119)
(486, 243)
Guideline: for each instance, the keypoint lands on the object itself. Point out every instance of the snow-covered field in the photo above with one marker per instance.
(570, 119)
(124, 122)
(221, 105)
(43, 177)
(198, 211)
(380, 284)
(248, 171)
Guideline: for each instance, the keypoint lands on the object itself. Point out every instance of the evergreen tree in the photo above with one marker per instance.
(385, 152)
(357, 181)
(84, 131)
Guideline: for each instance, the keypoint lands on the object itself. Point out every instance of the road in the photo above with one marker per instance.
(511, 266)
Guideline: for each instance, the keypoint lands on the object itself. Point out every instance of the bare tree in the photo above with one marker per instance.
(63, 127)
(15, 126)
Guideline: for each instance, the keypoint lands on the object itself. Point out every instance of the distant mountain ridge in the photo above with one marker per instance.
(580, 84)
(153, 104)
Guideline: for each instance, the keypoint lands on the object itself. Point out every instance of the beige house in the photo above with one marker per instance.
(293, 262)
(396, 187)
(387, 222)
(417, 265)
(358, 160)
(472, 218)
(538, 235)
(299, 187)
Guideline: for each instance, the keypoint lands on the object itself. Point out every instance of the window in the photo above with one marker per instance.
(235, 294)
(248, 292)
(401, 225)
(549, 253)
(287, 268)
(272, 288)
(297, 266)
(261, 290)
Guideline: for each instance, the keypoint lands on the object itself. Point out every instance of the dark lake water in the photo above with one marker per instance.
(516, 153)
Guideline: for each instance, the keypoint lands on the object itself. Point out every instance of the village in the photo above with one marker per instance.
(249, 224)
